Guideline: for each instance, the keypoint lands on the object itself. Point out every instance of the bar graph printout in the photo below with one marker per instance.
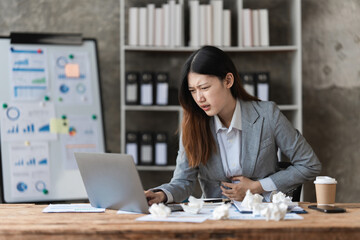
(27, 121)
(30, 171)
(28, 73)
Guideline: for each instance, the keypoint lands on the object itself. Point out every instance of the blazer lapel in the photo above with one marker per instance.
(215, 162)
(251, 133)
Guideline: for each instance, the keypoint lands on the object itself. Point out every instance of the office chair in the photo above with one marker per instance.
(296, 192)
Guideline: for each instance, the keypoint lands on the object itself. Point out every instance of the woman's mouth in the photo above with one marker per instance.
(205, 107)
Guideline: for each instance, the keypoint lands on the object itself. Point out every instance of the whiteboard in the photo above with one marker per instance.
(60, 86)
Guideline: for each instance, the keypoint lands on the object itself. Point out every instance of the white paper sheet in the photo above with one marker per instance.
(72, 88)
(27, 122)
(28, 73)
(176, 217)
(126, 212)
(244, 216)
(30, 171)
(61, 208)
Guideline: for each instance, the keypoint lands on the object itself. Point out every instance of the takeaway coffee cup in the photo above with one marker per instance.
(325, 190)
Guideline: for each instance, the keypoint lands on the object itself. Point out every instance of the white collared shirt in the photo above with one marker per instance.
(229, 140)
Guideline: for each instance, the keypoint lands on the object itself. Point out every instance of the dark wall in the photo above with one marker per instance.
(331, 89)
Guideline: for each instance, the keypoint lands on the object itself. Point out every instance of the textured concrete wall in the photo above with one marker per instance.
(93, 18)
(331, 89)
(331, 73)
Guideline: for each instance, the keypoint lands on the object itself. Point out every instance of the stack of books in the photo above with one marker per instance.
(255, 27)
(151, 26)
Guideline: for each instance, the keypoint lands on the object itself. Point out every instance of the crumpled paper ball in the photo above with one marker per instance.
(221, 212)
(274, 211)
(194, 205)
(251, 199)
(160, 210)
(281, 198)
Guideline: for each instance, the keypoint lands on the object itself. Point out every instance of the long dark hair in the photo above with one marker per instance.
(197, 138)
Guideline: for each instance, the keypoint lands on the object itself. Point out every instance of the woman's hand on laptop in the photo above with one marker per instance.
(155, 197)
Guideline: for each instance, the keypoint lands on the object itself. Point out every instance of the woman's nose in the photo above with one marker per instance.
(199, 96)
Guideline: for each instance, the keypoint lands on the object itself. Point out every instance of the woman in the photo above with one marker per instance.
(230, 139)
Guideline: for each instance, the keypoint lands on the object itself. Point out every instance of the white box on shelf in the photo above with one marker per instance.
(202, 23)
(159, 27)
(178, 25)
(217, 12)
(166, 22)
(209, 25)
(142, 26)
(133, 28)
(150, 24)
(264, 27)
(227, 28)
(194, 23)
(255, 28)
(247, 38)
(172, 22)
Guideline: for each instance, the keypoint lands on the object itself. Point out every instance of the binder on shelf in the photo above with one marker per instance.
(248, 82)
(173, 96)
(146, 88)
(161, 149)
(132, 145)
(162, 88)
(263, 85)
(146, 149)
(132, 88)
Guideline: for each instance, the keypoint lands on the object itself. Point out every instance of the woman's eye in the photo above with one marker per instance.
(204, 88)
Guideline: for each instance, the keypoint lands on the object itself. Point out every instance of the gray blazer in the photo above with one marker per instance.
(265, 129)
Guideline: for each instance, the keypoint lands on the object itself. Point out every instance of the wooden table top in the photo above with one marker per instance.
(26, 221)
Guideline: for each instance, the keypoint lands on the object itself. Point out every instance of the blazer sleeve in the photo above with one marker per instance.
(184, 178)
(305, 164)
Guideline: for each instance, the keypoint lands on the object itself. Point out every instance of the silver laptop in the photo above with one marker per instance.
(112, 181)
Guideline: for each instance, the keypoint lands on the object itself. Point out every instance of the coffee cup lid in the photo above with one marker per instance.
(325, 180)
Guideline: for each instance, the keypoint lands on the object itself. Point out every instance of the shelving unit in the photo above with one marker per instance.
(282, 59)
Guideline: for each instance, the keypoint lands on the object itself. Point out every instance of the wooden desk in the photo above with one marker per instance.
(26, 221)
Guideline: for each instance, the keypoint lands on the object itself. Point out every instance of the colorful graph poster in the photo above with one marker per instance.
(72, 78)
(27, 122)
(30, 171)
(28, 73)
(82, 137)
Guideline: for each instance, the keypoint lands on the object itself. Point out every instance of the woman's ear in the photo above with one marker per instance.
(229, 80)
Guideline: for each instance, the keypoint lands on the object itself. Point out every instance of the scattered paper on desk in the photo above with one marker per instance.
(176, 217)
(245, 216)
(126, 212)
(62, 208)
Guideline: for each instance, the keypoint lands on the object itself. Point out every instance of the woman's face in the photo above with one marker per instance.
(211, 95)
